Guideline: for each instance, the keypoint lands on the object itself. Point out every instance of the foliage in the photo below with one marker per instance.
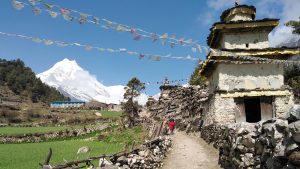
(196, 79)
(292, 78)
(130, 107)
(295, 25)
(130, 136)
(21, 80)
(111, 114)
(133, 88)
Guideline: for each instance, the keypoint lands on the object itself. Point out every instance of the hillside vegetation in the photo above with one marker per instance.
(22, 81)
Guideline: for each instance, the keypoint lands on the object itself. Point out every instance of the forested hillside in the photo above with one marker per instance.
(22, 81)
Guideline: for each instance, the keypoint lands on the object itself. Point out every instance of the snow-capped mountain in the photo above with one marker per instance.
(78, 84)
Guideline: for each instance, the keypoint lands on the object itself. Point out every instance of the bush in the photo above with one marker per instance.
(32, 113)
(11, 116)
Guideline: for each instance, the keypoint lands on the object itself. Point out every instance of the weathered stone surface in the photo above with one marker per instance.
(294, 158)
(294, 114)
(295, 129)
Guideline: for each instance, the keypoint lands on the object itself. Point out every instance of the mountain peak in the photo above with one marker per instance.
(78, 84)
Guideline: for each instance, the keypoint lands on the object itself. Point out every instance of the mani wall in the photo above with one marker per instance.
(267, 144)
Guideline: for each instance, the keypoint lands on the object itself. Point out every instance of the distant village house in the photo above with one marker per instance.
(67, 104)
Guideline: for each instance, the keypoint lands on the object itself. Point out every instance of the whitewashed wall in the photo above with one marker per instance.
(246, 76)
(255, 40)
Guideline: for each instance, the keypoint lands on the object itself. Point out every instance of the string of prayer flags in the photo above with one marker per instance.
(70, 15)
(140, 55)
(163, 82)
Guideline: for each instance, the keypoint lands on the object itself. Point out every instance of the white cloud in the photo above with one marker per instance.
(288, 10)
(156, 96)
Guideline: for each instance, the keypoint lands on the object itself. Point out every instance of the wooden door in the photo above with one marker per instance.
(240, 115)
(266, 108)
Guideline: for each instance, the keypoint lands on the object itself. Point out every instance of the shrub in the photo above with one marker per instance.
(32, 113)
(11, 116)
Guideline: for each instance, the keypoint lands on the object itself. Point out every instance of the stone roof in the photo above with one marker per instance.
(227, 12)
(226, 54)
(233, 26)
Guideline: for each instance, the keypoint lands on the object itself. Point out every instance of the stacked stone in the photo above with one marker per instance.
(183, 104)
(148, 157)
(41, 137)
(271, 144)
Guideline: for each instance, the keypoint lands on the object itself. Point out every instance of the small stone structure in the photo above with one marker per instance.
(245, 90)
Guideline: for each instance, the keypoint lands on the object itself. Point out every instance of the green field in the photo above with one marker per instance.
(28, 155)
(111, 114)
(25, 130)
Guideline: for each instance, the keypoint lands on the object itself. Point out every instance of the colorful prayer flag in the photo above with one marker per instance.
(96, 20)
(82, 18)
(17, 5)
(36, 10)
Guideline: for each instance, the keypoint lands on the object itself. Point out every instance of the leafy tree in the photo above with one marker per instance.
(130, 107)
(196, 79)
(292, 73)
(295, 25)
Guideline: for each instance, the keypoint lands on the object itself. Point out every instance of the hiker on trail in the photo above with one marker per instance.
(171, 126)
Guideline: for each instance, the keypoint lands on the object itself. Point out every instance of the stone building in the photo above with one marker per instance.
(67, 104)
(244, 84)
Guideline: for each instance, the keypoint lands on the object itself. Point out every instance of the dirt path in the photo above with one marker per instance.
(191, 153)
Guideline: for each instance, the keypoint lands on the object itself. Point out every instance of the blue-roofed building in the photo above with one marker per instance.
(67, 104)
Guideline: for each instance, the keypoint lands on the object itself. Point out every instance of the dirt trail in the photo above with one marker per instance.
(191, 153)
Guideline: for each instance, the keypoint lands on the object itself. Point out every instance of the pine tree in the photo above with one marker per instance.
(130, 107)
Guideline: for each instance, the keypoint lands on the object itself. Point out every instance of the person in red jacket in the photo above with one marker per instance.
(171, 126)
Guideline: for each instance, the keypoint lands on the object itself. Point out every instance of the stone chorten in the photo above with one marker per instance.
(166, 88)
(241, 89)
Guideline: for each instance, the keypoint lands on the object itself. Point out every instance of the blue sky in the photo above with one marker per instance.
(185, 18)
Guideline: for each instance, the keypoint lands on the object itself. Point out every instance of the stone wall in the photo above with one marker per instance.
(41, 137)
(271, 144)
(186, 105)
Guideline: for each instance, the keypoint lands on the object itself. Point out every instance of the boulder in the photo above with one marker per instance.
(294, 114)
(295, 130)
(83, 150)
(294, 158)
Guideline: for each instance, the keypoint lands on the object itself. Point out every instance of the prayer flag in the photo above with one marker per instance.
(37, 40)
(17, 5)
(96, 20)
(154, 37)
(48, 42)
(36, 10)
(32, 2)
(82, 18)
(141, 56)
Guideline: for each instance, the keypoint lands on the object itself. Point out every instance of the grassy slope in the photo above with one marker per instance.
(27, 156)
(25, 130)
(111, 114)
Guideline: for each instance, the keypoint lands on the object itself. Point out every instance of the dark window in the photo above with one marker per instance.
(247, 45)
(252, 110)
